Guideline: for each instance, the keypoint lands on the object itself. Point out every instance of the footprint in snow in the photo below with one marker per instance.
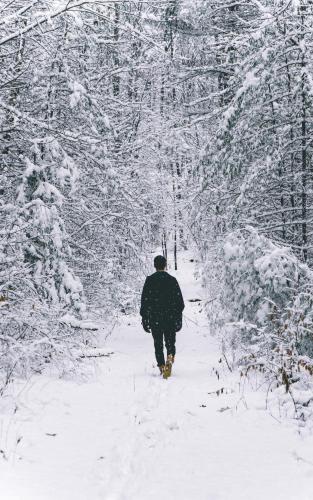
(173, 426)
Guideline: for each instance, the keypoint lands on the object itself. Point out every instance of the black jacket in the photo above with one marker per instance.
(162, 302)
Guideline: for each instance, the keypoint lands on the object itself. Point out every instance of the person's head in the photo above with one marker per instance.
(160, 263)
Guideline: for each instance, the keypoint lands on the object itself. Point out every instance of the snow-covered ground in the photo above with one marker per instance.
(127, 434)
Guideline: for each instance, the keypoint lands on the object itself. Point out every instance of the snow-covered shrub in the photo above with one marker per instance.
(260, 278)
(298, 319)
(266, 302)
(32, 332)
(32, 336)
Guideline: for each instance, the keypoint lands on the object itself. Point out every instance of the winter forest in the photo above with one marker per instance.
(132, 128)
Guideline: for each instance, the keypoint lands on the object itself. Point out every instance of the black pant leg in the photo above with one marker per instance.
(170, 341)
(158, 346)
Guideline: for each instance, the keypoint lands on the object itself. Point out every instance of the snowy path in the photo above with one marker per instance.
(130, 435)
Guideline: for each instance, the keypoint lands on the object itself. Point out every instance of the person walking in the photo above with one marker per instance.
(161, 310)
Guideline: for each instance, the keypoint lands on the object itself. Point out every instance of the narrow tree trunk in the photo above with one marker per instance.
(175, 217)
(280, 170)
(292, 135)
(116, 30)
(303, 152)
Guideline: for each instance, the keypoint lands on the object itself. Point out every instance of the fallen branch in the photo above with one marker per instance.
(98, 355)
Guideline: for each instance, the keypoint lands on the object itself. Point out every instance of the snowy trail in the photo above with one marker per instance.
(128, 434)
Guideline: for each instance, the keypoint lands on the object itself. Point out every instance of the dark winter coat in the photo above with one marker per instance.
(162, 303)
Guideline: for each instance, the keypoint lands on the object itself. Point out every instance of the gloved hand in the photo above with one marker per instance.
(145, 325)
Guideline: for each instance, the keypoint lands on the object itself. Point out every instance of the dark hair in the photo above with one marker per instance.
(160, 263)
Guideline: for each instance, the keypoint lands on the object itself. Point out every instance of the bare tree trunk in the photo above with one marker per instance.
(164, 245)
(292, 135)
(170, 28)
(280, 170)
(116, 32)
(175, 217)
(303, 153)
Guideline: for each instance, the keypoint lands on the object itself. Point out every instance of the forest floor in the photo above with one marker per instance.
(124, 433)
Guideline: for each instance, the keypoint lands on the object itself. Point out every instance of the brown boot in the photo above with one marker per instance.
(162, 368)
(168, 367)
